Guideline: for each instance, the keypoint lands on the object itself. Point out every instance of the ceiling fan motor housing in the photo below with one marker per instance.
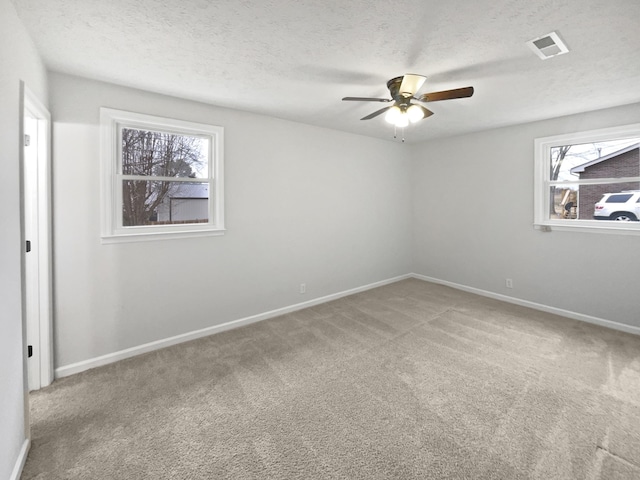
(394, 88)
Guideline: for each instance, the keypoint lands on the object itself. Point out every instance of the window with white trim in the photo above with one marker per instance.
(589, 181)
(161, 178)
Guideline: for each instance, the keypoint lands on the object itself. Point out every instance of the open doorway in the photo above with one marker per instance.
(37, 233)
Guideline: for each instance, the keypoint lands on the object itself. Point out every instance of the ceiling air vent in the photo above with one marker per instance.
(548, 46)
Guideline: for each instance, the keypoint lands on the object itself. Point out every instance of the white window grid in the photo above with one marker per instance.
(112, 123)
(543, 184)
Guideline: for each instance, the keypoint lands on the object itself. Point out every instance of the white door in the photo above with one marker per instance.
(37, 248)
(32, 294)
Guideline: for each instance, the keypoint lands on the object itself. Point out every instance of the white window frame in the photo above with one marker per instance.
(112, 122)
(542, 183)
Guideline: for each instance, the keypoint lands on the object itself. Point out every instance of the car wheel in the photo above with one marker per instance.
(623, 217)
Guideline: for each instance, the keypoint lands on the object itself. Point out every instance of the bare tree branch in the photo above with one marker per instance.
(159, 154)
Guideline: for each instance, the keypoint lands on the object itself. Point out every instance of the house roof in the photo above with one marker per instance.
(296, 59)
(580, 168)
(189, 190)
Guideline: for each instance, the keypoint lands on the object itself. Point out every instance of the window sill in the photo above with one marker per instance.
(596, 226)
(151, 236)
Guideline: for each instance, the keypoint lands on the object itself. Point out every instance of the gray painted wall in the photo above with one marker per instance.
(303, 205)
(473, 223)
(332, 210)
(19, 61)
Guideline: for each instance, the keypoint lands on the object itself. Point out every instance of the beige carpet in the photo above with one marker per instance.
(408, 381)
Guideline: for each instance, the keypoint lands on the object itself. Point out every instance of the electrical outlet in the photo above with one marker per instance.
(303, 288)
(509, 283)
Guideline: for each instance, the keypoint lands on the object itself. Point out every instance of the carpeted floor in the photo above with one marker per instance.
(408, 381)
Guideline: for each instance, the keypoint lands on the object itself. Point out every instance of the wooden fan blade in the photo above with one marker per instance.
(365, 99)
(411, 84)
(376, 113)
(446, 95)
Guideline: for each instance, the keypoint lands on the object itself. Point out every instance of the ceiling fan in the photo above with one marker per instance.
(403, 89)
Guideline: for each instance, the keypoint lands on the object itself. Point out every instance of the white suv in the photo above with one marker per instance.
(623, 206)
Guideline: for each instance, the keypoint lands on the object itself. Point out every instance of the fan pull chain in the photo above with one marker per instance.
(395, 132)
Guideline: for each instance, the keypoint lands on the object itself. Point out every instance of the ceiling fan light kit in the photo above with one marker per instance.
(401, 120)
(401, 116)
(415, 113)
(393, 114)
(403, 89)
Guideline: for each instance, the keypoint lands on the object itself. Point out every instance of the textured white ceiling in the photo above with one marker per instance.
(296, 59)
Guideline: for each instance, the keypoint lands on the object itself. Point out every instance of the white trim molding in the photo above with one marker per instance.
(78, 367)
(43, 291)
(543, 183)
(84, 365)
(112, 125)
(21, 460)
(536, 306)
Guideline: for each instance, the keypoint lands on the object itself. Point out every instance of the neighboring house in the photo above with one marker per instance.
(623, 163)
(185, 202)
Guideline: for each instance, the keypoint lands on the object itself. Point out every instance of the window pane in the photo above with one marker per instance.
(613, 159)
(162, 154)
(611, 204)
(164, 203)
(564, 203)
(600, 202)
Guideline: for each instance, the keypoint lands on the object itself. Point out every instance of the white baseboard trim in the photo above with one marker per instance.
(536, 306)
(21, 460)
(78, 367)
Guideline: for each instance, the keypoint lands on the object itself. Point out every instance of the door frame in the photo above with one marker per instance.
(42, 296)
